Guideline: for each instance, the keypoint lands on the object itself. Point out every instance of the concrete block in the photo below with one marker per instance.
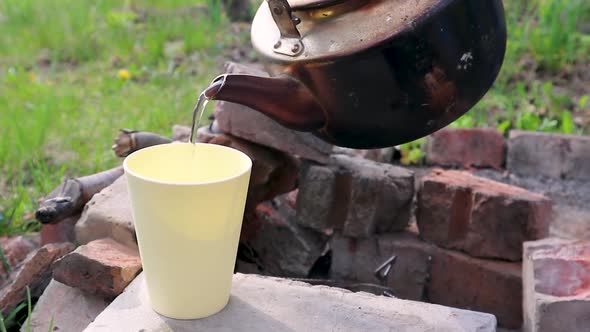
(269, 304)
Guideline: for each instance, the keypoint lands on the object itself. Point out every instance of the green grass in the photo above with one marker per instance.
(547, 41)
(63, 100)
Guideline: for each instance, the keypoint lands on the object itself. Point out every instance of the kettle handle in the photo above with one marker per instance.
(289, 43)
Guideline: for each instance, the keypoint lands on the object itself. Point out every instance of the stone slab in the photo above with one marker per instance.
(70, 308)
(270, 304)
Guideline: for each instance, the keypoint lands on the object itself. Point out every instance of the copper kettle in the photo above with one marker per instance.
(370, 73)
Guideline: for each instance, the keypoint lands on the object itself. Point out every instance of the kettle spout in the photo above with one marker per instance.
(284, 99)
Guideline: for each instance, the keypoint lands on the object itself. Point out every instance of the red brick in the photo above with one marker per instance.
(102, 267)
(551, 155)
(460, 281)
(244, 122)
(478, 147)
(556, 285)
(485, 218)
(370, 197)
(15, 250)
(35, 272)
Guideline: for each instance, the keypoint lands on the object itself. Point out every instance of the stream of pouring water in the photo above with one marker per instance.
(201, 104)
(197, 116)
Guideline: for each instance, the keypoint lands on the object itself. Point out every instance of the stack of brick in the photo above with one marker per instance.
(465, 251)
(484, 224)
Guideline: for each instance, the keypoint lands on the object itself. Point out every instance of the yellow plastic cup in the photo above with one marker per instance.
(188, 203)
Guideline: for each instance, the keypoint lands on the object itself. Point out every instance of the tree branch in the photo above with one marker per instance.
(129, 141)
(71, 195)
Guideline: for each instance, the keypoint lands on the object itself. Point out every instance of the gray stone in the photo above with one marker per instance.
(181, 133)
(354, 195)
(284, 248)
(204, 134)
(315, 197)
(68, 307)
(556, 275)
(551, 155)
(269, 304)
(383, 155)
(251, 125)
(371, 197)
(108, 214)
(357, 260)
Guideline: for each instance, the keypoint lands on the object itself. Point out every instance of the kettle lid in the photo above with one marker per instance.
(288, 31)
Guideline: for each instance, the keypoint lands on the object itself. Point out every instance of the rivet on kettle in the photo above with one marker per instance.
(295, 48)
(277, 44)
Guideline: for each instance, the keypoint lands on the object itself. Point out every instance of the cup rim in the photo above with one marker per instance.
(128, 171)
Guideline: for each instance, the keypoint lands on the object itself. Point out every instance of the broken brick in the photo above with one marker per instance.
(102, 267)
(484, 218)
(35, 272)
(556, 282)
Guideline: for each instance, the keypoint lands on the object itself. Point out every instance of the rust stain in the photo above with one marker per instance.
(460, 214)
(442, 92)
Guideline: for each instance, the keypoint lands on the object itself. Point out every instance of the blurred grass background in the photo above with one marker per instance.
(72, 72)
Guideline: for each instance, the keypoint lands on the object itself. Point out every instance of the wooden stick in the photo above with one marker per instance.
(130, 141)
(70, 197)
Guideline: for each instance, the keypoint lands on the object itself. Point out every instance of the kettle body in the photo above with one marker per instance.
(390, 86)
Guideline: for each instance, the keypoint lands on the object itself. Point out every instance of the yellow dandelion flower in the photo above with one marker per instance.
(33, 77)
(124, 74)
